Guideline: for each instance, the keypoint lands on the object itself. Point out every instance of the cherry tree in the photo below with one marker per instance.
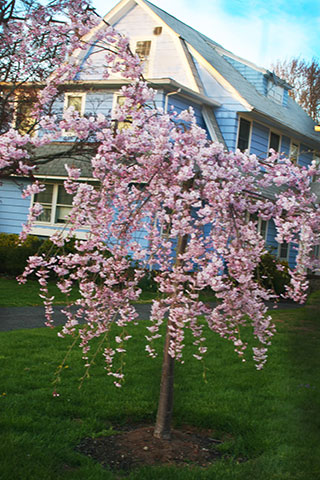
(166, 199)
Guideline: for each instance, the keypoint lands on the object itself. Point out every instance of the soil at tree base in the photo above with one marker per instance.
(136, 446)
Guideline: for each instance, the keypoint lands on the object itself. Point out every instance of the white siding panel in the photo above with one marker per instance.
(167, 59)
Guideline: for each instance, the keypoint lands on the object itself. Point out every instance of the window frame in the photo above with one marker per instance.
(54, 205)
(286, 258)
(269, 141)
(297, 144)
(250, 134)
(16, 104)
(148, 64)
(82, 95)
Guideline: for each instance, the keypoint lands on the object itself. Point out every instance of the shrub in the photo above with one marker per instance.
(13, 257)
(270, 276)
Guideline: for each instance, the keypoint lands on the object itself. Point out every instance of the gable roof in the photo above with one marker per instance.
(291, 116)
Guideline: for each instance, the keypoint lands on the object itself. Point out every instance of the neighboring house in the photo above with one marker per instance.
(238, 103)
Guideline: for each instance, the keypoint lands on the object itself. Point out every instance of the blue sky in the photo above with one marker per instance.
(261, 31)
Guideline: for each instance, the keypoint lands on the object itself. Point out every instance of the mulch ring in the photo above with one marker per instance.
(136, 446)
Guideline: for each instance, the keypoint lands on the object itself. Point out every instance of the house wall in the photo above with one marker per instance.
(166, 59)
(13, 208)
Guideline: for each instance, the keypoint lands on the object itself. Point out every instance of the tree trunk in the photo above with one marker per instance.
(162, 427)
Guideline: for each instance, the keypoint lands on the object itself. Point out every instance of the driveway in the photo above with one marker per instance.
(15, 318)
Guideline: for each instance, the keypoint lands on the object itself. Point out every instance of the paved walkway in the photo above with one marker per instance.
(15, 318)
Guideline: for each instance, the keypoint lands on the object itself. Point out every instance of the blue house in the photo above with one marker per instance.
(238, 103)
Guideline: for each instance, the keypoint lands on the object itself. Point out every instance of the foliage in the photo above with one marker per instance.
(13, 256)
(304, 77)
(273, 273)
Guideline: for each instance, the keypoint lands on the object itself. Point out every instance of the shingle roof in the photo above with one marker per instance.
(292, 116)
(59, 156)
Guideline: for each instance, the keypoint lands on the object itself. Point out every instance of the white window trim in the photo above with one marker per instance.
(250, 133)
(54, 206)
(67, 133)
(150, 64)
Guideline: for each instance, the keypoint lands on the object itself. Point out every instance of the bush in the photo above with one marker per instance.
(270, 276)
(13, 257)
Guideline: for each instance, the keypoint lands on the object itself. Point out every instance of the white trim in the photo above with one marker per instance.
(209, 125)
(223, 51)
(75, 94)
(46, 231)
(53, 205)
(217, 75)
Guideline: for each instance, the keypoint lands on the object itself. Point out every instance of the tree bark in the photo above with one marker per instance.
(162, 427)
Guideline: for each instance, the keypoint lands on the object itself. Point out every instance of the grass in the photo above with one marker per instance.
(12, 294)
(271, 417)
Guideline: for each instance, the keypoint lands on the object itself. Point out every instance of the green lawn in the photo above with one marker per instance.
(272, 417)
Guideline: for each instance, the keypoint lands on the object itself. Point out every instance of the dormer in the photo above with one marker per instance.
(277, 89)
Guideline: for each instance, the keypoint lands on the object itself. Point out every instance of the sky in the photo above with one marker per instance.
(261, 31)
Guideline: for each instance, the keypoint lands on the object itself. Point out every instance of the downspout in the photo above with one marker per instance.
(167, 99)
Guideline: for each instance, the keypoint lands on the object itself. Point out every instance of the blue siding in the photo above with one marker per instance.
(13, 208)
(273, 245)
(259, 140)
(253, 76)
(285, 145)
(179, 105)
(306, 155)
(228, 124)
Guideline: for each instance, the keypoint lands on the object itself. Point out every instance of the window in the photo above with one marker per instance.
(24, 122)
(244, 134)
(142, 49)
(56, 203)
(77, 101)
(275, 92)
(125, 123)
(262, 225)
(294, 152)
(274, 142)
(283, 251)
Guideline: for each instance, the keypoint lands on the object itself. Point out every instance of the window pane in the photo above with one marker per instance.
(244, 133)
(284, 247)
(294, 152)
(263, 229)
(143, 49)
(45, 215)
(61, 213)
(64, 198)
(46, 196)
(274, 141)
(74, 101)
